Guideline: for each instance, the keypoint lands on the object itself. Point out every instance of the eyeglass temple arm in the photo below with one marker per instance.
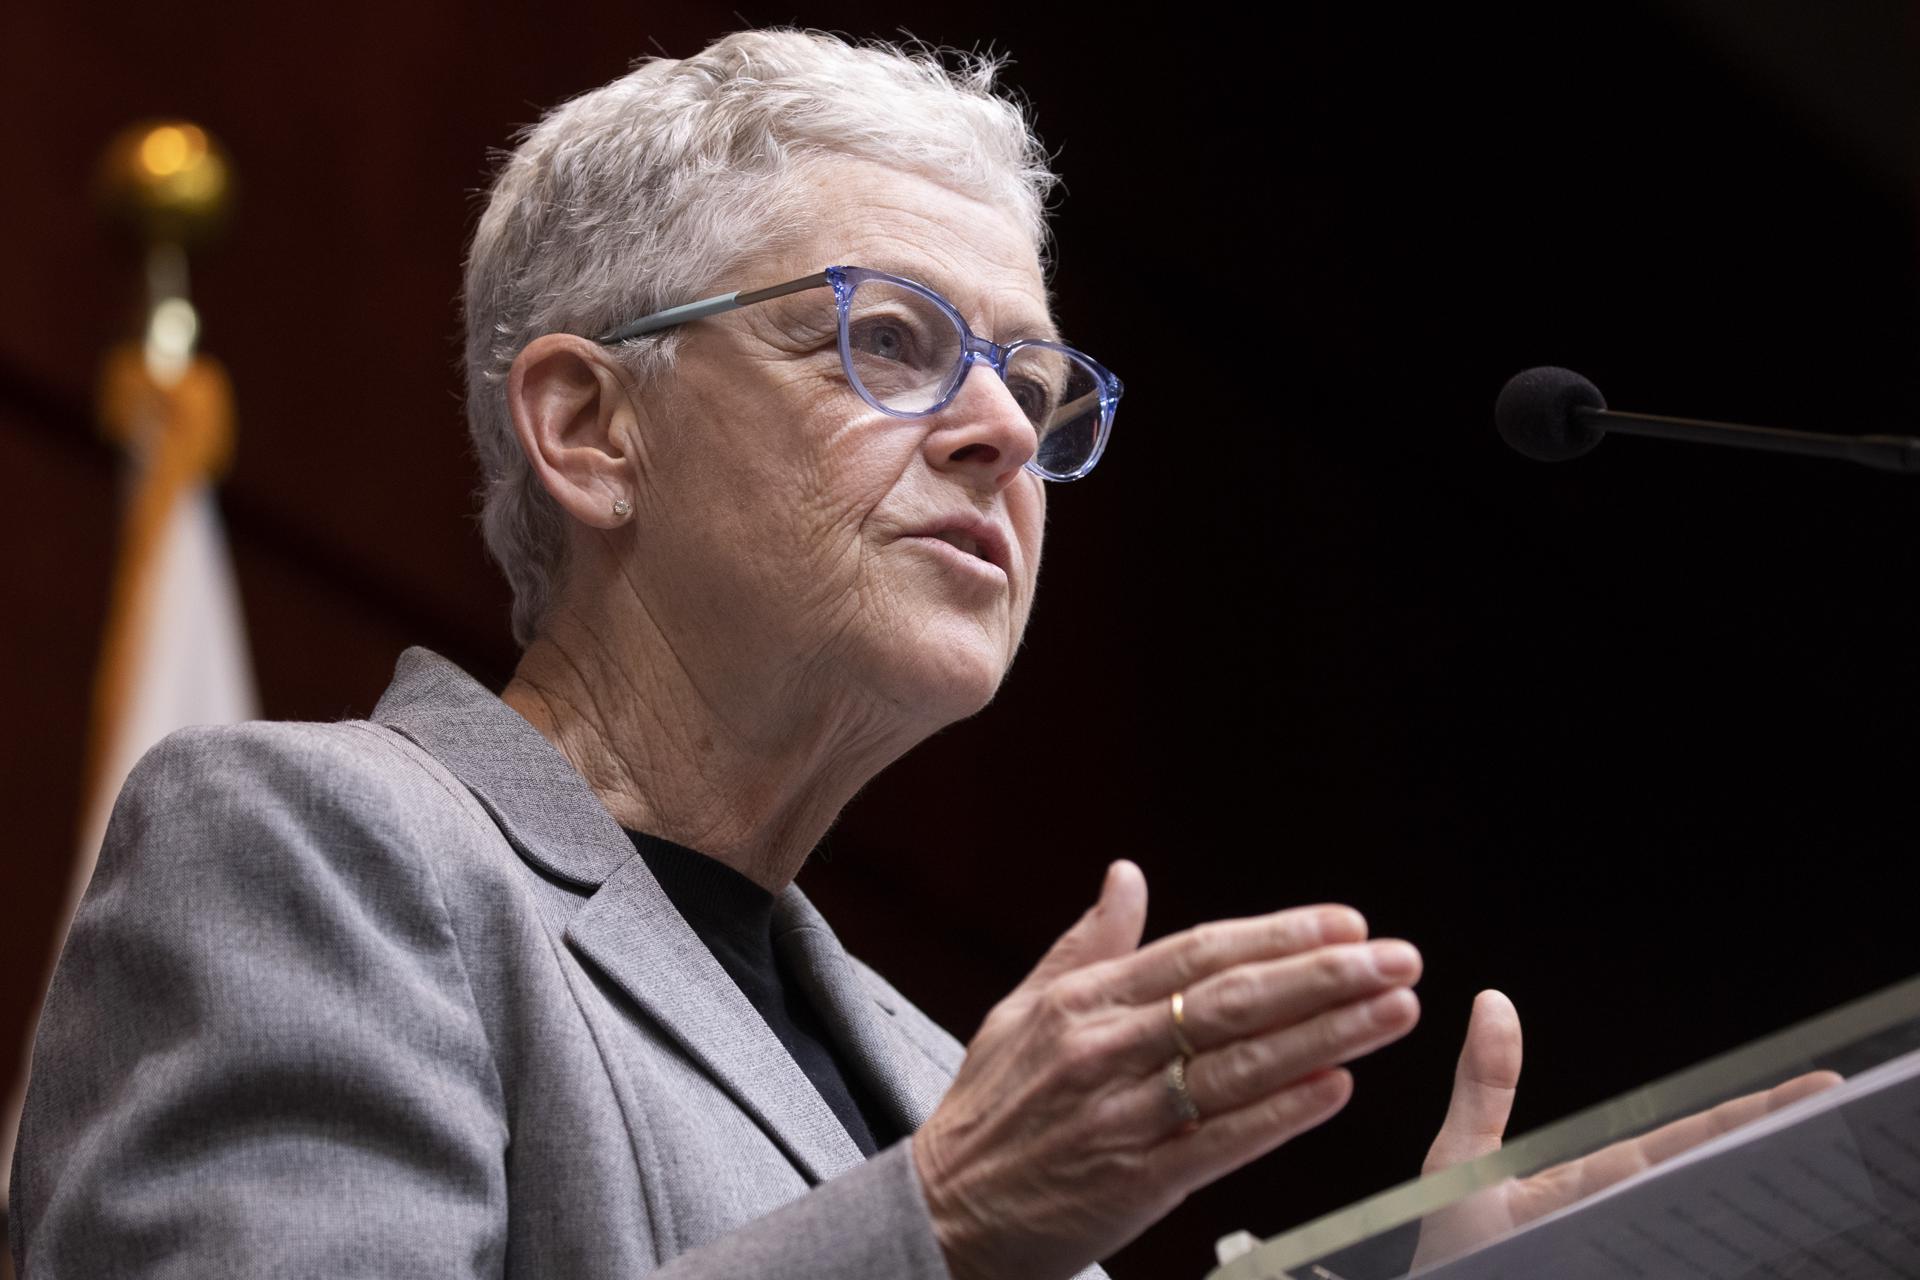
(1079, 405)
(719, 304)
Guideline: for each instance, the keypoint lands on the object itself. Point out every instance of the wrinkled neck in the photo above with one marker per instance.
(752, 779)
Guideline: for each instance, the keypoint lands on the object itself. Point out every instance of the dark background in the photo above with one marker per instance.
(1629, 737)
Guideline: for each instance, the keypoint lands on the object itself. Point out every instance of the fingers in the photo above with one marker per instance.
(1671, 1139)
(1239, 1008)
(1249, 1073)
(1274, 1004)
(1552, 1188)
(1800, 1087)
(1110, 928)
(1253, 998)
(1278, 974)
(1175, 963)
(1242, 1073)
(1483, 1085)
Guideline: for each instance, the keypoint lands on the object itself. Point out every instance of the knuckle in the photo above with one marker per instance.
(1283, 1111)
(1207, 948)
(1113, 1113)
(1074, 993)
(1237, 1073)
(1086, 1057)
(1000, 1021)
(1351, 966)
(1334, 1033)
(1059, 1004)
(1080, 1067)
(1303, 931)
(1234, 998)
(1121, 1168)
(1331, 968)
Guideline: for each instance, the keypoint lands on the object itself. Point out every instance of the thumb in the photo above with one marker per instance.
(1111, 926)
(1483, 1085)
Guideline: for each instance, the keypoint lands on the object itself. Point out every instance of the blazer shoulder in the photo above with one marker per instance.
(306, 755)
(340, 775)
(313, 764)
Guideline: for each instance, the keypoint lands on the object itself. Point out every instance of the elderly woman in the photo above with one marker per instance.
(767, 394)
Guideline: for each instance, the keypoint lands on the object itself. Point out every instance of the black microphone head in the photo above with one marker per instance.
(1535, 413)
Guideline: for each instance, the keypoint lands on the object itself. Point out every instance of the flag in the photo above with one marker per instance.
(175, 649)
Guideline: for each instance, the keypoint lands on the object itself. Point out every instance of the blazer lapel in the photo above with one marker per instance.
(631, 930)
(628, 928)
(871, 1044)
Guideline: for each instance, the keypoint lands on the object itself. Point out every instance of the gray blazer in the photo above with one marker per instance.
(397, 998)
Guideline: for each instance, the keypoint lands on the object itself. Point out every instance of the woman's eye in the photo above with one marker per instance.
(887, 339)
(1035, 400)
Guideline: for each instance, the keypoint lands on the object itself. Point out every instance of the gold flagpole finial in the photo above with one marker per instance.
(166, 181)
(168, 184)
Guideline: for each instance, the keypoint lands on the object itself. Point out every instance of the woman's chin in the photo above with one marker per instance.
(944, 684)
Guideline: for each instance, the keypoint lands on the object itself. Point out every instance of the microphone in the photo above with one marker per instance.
(1554, 414)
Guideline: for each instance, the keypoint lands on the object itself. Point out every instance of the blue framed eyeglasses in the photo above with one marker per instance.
(907, 351)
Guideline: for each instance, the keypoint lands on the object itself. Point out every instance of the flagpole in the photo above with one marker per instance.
(174, 650)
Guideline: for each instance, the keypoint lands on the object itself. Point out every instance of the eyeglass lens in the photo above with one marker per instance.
(906, 353)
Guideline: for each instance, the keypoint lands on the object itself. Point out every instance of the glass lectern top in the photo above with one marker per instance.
(1677, 1178)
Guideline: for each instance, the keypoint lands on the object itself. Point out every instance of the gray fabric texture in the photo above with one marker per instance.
(397, 997)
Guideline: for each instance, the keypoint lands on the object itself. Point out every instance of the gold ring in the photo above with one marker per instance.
(1182, 1099)
(1178, 1001)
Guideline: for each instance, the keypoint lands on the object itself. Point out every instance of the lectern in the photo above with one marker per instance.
(1827, 1186)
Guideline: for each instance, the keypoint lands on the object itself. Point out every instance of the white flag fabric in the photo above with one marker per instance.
(188, 665)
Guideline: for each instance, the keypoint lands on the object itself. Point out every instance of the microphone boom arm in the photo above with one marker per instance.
(1881, 452)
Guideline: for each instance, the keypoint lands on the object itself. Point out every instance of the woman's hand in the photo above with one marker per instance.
(1062, 1137)
(1476, 1124)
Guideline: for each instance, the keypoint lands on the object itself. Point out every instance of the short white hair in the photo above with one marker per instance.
(643, 193)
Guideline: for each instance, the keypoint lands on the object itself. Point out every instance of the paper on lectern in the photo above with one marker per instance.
(1828, 1187)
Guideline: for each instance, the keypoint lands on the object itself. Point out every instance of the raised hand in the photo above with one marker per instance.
(1476, 1123)
(1063, 1136)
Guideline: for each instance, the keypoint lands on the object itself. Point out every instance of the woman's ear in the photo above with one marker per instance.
(574, 419)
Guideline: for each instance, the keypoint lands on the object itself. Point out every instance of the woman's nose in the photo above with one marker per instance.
(983, 432)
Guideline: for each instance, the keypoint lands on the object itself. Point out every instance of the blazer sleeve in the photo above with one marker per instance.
(260, 1053)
